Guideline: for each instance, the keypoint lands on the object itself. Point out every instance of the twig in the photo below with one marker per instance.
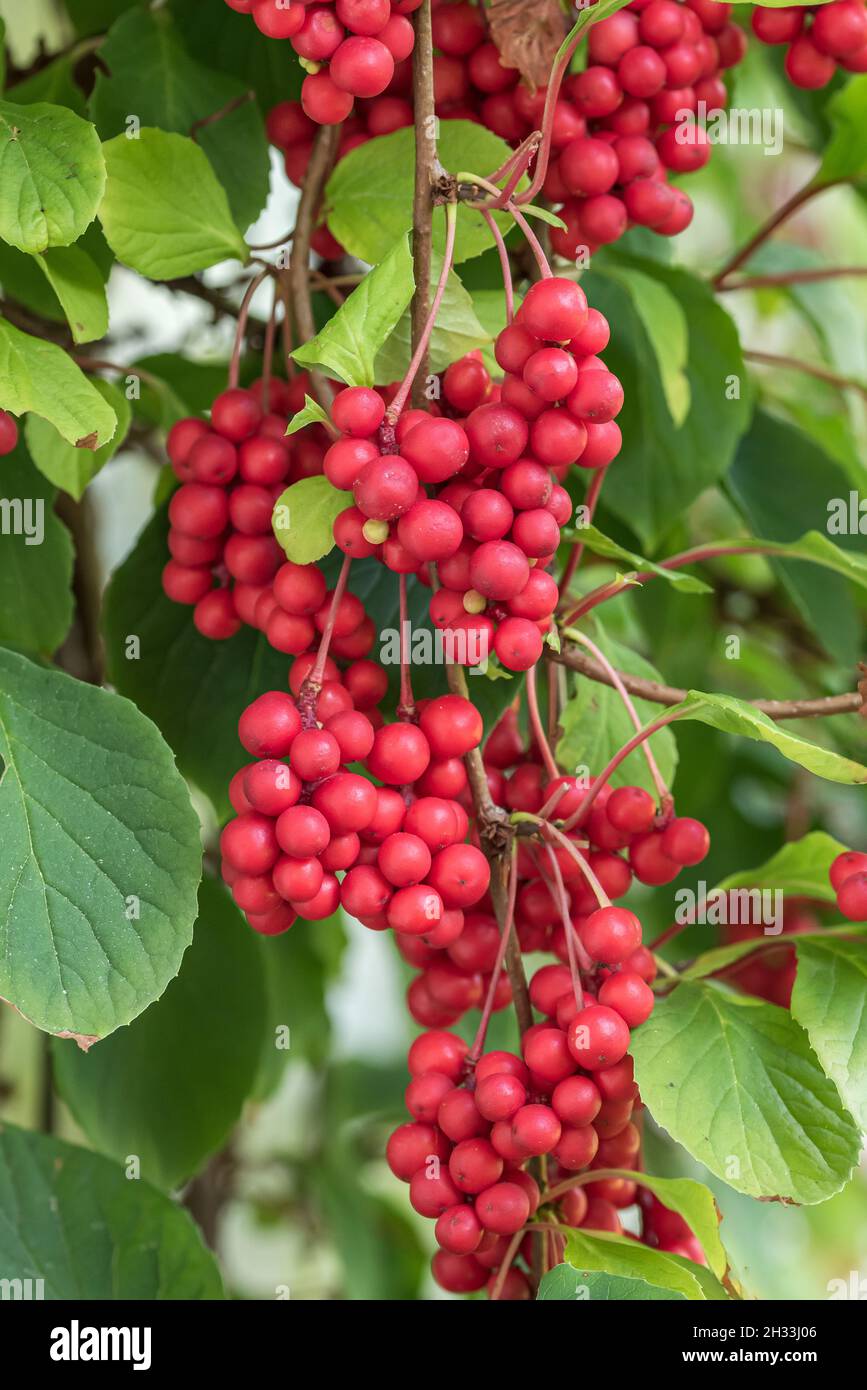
(792, 277)
(768, 228)
(427, 170)
(843, 383)
(321, 160)
(660, 694)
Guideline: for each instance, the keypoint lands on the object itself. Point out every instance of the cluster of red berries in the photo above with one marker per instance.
(303, 816)
(848, 876)
(820, 39)
(620, 127)
(359, 40)
(8, 433)
(232, 470)
(494, 525)
(633, 117)
(770, 974)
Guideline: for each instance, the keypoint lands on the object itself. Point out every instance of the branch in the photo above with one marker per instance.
(843, 383)
(767, 229)
(792, 277)
(321, 162)
(427, 170)
(660, 694)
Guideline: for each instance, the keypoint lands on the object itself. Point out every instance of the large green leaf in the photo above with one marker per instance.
(369, 195)
(735, 1081)
(799, 869)
(170, 1086)
(69, 468)
(346, 347)
(457, 331)
(100, 854)
(590, 1252)
(304, 516)
(829, 1001)
(38, 376)
(183, 681)
(565, 1283)
(595, 723)
(164, 212)
(696, 1204)
(148, 70)
(845, 156)
(663, 465)
(52, 175)
(667, 328)
(77, 1222)
(738, 717)
(80, 288)
(36, 604)
(235, 45)
(785, 484)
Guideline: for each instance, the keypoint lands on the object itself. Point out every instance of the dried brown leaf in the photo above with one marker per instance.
(528, 34)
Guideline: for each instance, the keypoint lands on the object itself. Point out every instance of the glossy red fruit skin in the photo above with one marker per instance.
(598, 1038)
(629, 996)
(685, 840)
(611, 934)
(503, 1208)
(852, 897)
(845, 865)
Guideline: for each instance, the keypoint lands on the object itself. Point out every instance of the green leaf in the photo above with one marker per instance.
(595, 724)
(663, 465)
(543, 215)
(304, 517)
(799, 869)
(80, 288)
(147, 70)
(665, 324)
(734, 1080)
(170, 1087)
(69, 468)
(40, 377)
(52, 175)
(296, 976)
(36, 605)
(76, 1221)
(564, 1282)
(369, 195)
(100, 854)
(828, 1001)
(95, 16)
(347, 345)
(310, 414)
(181, 680)
(238, 47)
(738, 717)
(602, 545)
(784, 484)
(610, 1254)
(164, 214)
(845, 155)
(457, 332)
(696, 1204)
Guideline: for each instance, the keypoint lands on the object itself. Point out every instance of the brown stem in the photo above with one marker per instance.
(768, 228)
(241, 330)
(427, 170)
(321, 161)
(793, 277)
(406, 707)
(672, 695)
(224, 111)
(313, 684)
(794, 364)
(475, 1051)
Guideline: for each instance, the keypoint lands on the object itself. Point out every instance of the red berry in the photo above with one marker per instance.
(852, 898)
(611, 934)
(685, 840)
(452, 726)
(503, 1208)
(629, 996)
(554, 309)
(845, 865)
(598, 1037)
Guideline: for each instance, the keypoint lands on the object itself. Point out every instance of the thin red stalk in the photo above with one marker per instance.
(590, 502)
(548, 829)
(613, 764)
(504, 264)
(527, 147)
(597, 596)
(317, 674)
(402, 396)
(767, 229)
(475, 1051)
(406, 708)
(568, 928)
(286, 327)
(508, 1260)
(268, 349)
(535, 244)
(243, 316)
(536, 725)
(658, 780)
